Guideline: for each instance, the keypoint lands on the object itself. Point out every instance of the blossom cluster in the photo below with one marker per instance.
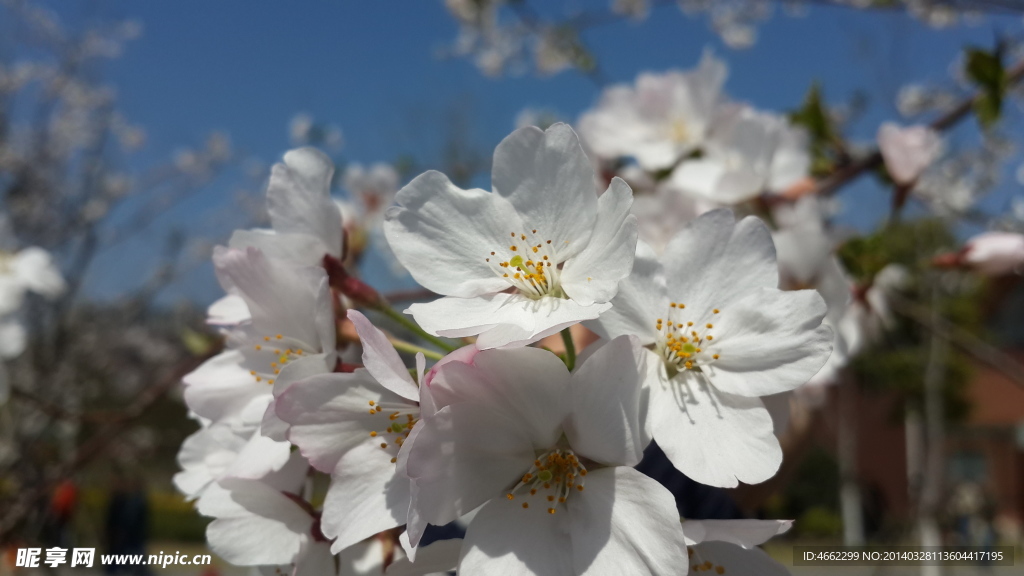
(315, 455)
(311, 459)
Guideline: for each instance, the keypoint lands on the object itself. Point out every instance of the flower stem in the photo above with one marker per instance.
(570, 349)
(404, 346)
(413, 327)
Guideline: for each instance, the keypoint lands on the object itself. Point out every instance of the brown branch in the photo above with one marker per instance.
(850, 172)
(95, 445)
(963, 339)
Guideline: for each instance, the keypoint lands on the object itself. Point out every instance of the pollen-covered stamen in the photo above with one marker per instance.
(685, 341)
(551, 479)
(396, 423)
(273, 353)
(528, 263)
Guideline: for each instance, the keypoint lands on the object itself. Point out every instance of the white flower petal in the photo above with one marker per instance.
(527, 385)
(715, 438)
(255, 524)
(505, 540)
(282, 299)
(715, 261)
(769, 342)
(463, 456)
(13, 338)
(443, 234)
(220, 388)
(502, 320)
(548, 179)
(230, 310)
(366, 496)
(299, 201)
(605, 424)
(745, 533)
(641, 299)
(382, 360)
(625, 523)
(593, 274)
(35, 269)
(329, 415)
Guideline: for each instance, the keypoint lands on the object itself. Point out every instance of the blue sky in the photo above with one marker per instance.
(371, 68)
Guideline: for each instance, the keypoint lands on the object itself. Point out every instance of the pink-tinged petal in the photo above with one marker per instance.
(593, 275)
(382, 360)
(604, 424)
(529, 386)
(996, 253)
(332, 414)
(461, 457)
(625, 523)
(715, 438)
(506, 540)
(443, 235)
(548, 179)
(366, 496)
(908, 151)
(769, 342)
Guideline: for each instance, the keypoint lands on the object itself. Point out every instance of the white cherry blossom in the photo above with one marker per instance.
(351, 426)
(538, 254)
(305, 221)
(291, 336)
(995, 253)
(549, 455)
(720, 334)
(28, 270)
(660, 119)
(749, 153)
(907, 151)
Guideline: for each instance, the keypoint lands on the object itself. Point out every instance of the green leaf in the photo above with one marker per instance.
(985, 69)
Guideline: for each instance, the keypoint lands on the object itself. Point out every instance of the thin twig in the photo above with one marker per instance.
(95, 445)
(850, 172)
(963, 339)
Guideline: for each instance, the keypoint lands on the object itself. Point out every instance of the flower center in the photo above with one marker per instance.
(397, 421)
(684, 342)
(274, 355)
(529, 265)
(550, 481)
(680, 132)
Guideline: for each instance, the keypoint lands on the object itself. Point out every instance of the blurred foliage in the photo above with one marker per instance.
(814, 117)
(985, 69)
(910, 244)
(812, 496)
(818, 522)
(171, 518)
(898, 361)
